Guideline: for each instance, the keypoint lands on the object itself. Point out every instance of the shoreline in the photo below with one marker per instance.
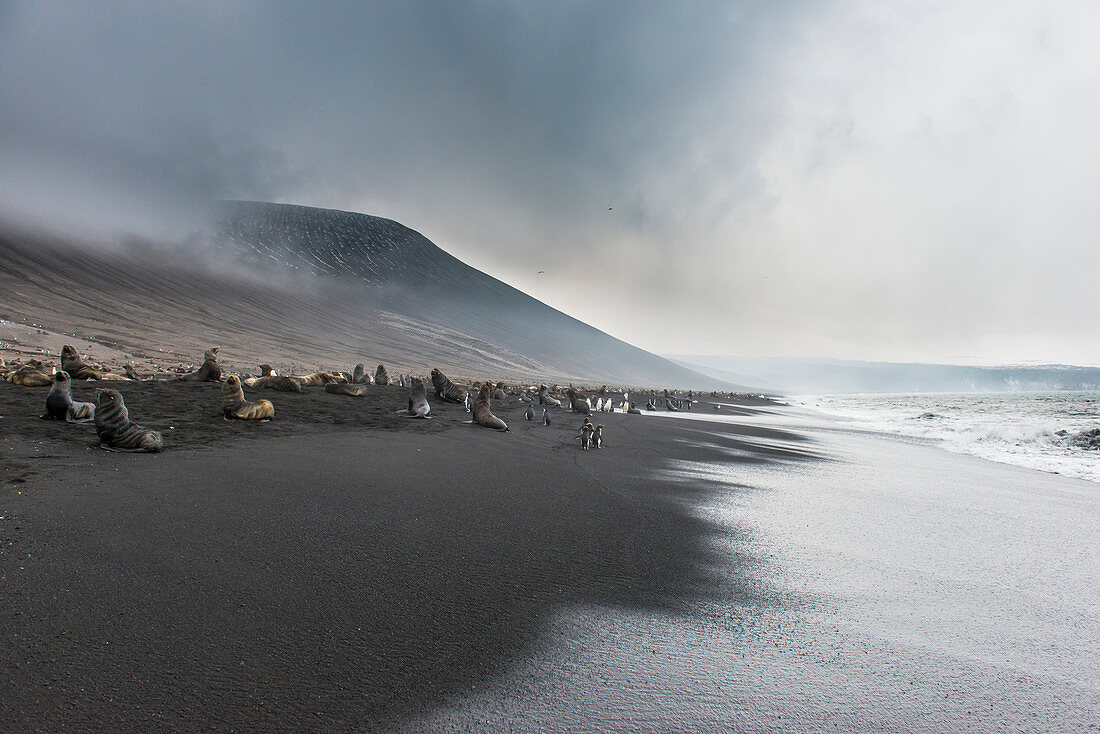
(384, 574)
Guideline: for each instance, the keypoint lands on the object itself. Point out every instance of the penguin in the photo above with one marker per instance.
(469, 403)
(597, 436)
(530, 414)
(585, 436)
(545, 417)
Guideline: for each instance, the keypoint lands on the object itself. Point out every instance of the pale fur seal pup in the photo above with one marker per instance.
(530, 414)
(446, 390)
(78, 370)
(61, 406)
(340, 388)
(210, 371)
(28, 376)
(418, 400)
(579, 404)
(381, 377)
(483, 416)
(235, 406)
(115, 431)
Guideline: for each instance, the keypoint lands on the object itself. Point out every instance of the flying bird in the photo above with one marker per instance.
(540, 272)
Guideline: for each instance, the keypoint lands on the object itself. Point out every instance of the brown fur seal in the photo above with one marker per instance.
(360, 376)
(315, 379)
(78, 370)
(483, 416)
(113, 426)
(498, 392)
(446, 390)
(210, 371)
(274, 382)
(28, 376)
(235, 406)
(545, 398)
(61, 406)
(579, 404)
(341, 388)
(418, 400)
(381, 377)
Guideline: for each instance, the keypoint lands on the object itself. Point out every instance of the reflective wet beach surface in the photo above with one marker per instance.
(889, 587)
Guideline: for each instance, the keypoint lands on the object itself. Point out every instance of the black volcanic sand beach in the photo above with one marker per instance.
(339, 568)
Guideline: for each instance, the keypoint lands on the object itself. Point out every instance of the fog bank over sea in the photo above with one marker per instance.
(801, 376)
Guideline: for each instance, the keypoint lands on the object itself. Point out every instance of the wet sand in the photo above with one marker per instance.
(345, 569)
(340, 567)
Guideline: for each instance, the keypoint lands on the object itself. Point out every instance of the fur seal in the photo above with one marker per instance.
(545, 398)
(78, 370)
(633, 410)
(483, 416)
(340, 388)
(579, 404)
(28, 376)
(266, 369)
(115, 431)
(274, 382)
(210, 371)
(418, 400)
(530, 414)
(498, 392)
(314, 379)
(61, 406)
(381, 377)
(235, 406)
(446, 390)
(359, 375)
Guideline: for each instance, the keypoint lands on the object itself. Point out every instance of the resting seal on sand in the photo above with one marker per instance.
(499, 393)
(210, 371)
(418, 400)
(28, 376)
(274, 382)
(61, 406)
(341, 388)
(360, 376)
(381, 377)
(482, 415)
(579, 404)
(74, 365)
(546, 399)
(446, 390)
(115, 431)
(235, 406)
(315, 378)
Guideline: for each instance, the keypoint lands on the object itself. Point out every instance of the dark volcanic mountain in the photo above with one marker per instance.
(312, 287)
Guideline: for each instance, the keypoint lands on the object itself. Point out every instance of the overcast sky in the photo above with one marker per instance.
(870, 180)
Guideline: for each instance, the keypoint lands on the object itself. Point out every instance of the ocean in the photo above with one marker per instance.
(1057, 432)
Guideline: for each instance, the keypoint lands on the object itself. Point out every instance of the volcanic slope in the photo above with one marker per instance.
(311, 287)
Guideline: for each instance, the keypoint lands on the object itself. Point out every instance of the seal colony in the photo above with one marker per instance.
(116, 431)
